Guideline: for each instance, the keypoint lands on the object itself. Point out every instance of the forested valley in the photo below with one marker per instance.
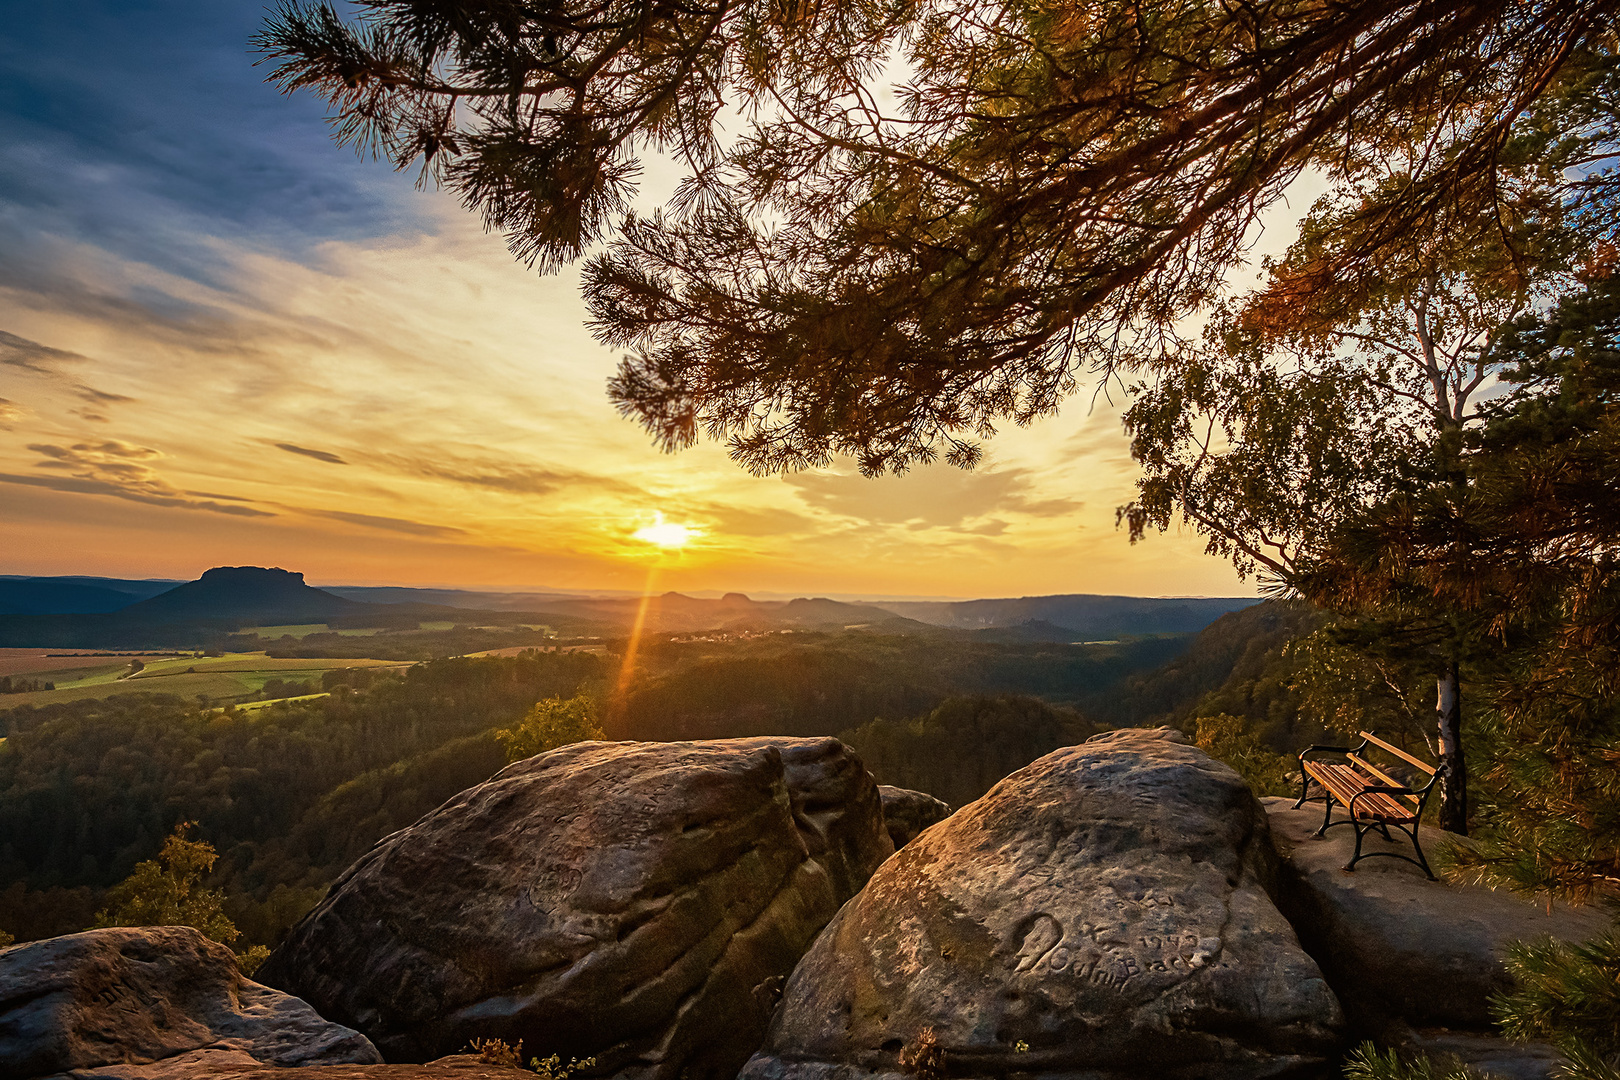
(292, 793)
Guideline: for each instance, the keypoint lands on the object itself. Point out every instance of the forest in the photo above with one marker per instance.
(291, 793)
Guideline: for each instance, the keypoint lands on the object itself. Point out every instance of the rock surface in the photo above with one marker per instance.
(1101, 913)
(458, 1067)
(152, 1003)
(639, 903)
(907, 813)
(1407, 953)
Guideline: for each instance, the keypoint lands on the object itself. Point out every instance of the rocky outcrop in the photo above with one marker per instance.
(455, 1067)
(639, 903)
(907, 813)
(1102, 913)
(1414, 961)
(152, 1003)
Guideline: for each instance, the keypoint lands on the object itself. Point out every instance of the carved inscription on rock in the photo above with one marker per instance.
(1143, 938)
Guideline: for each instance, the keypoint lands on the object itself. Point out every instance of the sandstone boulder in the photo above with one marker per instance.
(454, 1067)
(1102, 913)
(637, 903)
(152, 1003)
(907, 813)
(1414, 961)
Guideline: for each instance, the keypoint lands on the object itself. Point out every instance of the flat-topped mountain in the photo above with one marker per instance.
(244, 592)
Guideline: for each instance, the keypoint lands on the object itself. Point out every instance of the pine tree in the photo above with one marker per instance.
(890, 276)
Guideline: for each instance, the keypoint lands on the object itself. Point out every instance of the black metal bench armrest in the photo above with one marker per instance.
(1424, 790)
(1332, 750)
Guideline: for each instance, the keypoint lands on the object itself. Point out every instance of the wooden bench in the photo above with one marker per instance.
(1373, 799)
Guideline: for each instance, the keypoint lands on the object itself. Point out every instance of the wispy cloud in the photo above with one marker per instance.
(91, 486)
(387, 524)
(32, 356)
(510, 476)
(90, 393)
(120, 469)
(937, 496)
(318, 455)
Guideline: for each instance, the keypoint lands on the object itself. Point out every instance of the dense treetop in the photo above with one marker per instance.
(929, 215)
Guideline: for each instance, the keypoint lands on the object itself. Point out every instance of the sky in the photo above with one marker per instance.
(226, 341)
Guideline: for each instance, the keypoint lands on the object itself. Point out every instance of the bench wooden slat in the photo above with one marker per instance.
(1385, 777)
(1398, 752)
(1346, 784)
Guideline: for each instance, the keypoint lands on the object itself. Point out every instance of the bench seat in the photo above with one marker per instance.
(1346, 783)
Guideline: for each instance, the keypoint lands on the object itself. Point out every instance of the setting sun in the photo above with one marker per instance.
(667, 534)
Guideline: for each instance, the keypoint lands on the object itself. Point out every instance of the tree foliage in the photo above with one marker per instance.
(931, 215)
(1528, 556)
(167, 891)
(962, 747)
(549, 724)
(1353, 378)
(1567, 994)
(1367, 1062)
(1229, 738)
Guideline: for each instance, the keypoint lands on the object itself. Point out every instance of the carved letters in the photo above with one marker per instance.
(1111, 953)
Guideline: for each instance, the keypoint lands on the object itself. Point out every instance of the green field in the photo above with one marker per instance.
(229, 677)
(303, 630)
(249, 706)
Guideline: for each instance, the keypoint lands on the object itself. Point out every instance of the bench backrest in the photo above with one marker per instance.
(1397, 751)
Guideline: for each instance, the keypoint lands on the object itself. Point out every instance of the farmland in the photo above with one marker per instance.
(229, 677)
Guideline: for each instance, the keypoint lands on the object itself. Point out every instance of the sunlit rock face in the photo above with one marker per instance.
(152, 1003)
(1101, 913)
(637, 903)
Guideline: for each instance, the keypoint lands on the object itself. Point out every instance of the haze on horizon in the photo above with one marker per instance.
(224, 341)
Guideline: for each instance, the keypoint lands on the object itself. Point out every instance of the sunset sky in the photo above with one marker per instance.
(225, 341)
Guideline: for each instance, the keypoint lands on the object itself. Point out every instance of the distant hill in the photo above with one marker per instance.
(1232, 650)
(116, 613)
(73, 595)
(674, 613)
(457, 598)
(1088, 617)
(252, 593)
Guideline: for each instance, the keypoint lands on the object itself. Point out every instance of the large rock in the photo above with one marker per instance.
(1101, 913)
(455, 1067)
(1413, 960)
(152, 1003)
(639, 903)
(907, 813)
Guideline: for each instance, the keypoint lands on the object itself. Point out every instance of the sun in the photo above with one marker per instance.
(667, 534)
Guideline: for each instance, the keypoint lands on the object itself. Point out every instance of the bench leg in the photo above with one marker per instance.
(1327, 815)
(1422, 862)
(1304, 787)
(1360, 832)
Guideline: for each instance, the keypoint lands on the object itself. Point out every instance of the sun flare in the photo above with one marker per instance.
(667, 534)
